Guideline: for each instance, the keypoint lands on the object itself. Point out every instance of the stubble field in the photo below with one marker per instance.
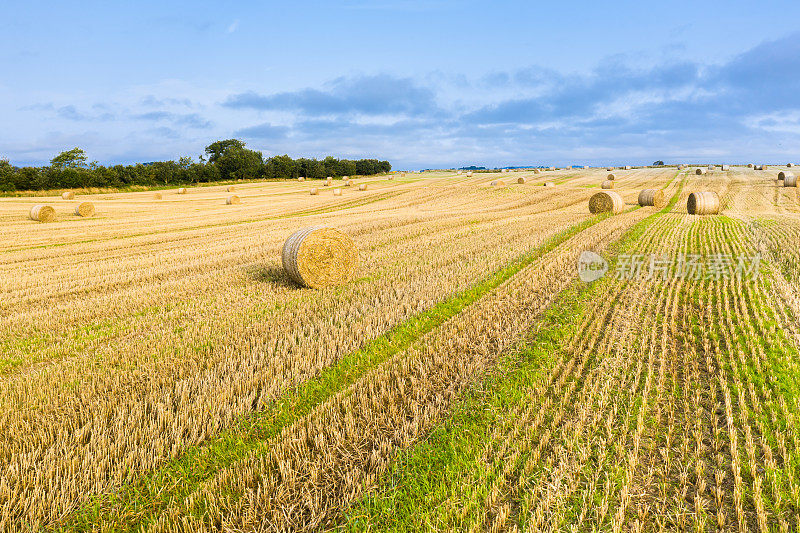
(160, 372)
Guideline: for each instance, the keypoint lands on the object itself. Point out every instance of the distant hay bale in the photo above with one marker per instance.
(608, 184)
(585, 167)
(703, 203)
(609, 169)
(301, 178)
(652, 197)
(726, 168)
(712, 167)
(328, 181)
(549, 184)
(348, 183)
(84, 209)
(783, 173)
(469, 174)
(232, 200)
(535, 170)
(157, 196)
(337, 192)
(362, 187)
(319, 257)
(789, 165)
(611, 177)
(182, 190)
(498, 183)
(551, 168)
(230, 188)
(700, 171)
(606, 202)
(627, 167)
(345, 178)
(459, 172)
(391, 177)
(750, 165)
(521, 181)
(790, 180)
(68, 195)
(314, 191)
(42, 213)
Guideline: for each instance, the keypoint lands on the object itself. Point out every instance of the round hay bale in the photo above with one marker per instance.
(611, 177)
(348, 183)
(182, 190)
(230, 188)
(301, 178)
(337, 192)
(783, 173)
(391, 177)
(498, 183)
(789, 165)
(68, 195)
(84, 209)
(42, 213)
(549, 184)
(232, 199)
(521, 181)
(606, 202)
(703, 203)
(608, 184)
(314, 191)
(319, 256)
(790, 180)
(700, 171)
(535, 170)
(469, 174)
(345, 178)
(726, 168)
(362, 187)
(652, 197)
(328, 182)
(609, 169)
(627, 167)
(459, 172)
(750, 165)
(157, 196)
(712, 167)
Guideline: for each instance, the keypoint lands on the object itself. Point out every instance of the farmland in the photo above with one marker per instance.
(160, 372)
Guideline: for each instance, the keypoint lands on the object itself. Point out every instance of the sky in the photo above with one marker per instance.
(424, 84)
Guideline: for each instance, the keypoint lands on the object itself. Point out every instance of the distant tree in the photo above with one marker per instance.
(240, 163)
(217, 149)
(658, 163)
(281, 166)
(75, 158)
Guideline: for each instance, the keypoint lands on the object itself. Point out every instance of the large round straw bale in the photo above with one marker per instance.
(703, 203)
(549, 184)
(783, 173)
(611, 177)
(337, 192)
(182, 190)
(606, 202)
(362, 187)
(84, 209)
(319, 256)
(42, 213)
(230, 188)
(790, 180)
(700, 171)
(652, 197)
(68, 195)
(232, 199)
(608, 184)
(498, 183)
(314, 191)
(521, 180)
(157, 196)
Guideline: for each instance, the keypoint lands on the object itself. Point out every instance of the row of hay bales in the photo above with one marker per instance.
(698, 203)
(46, 213)
(788, 178)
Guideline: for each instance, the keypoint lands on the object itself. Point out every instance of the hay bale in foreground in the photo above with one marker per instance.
(521, 181)
(700, 171)
(337, 192)
(783, 173)
(608, 184)
(652, 197)
(182, 190)
(230, 188)
(703, 203)
(362, 187)
(233, 199)
(790, 180)
(606, 202)
(319, 256)
(611, 177)
(314, 191)
(84, 209)
(42, 213)
(68, 195)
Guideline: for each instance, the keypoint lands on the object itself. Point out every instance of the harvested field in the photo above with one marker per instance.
(161, 371)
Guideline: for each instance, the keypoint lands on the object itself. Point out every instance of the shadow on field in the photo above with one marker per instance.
(270, 274)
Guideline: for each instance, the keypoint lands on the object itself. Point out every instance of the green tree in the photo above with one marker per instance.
(218, 149)
(75, 158)
(240, 163)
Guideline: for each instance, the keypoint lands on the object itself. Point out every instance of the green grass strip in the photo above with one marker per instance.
(136, 503)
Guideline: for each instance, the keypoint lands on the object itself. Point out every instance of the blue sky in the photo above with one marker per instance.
(424, 84)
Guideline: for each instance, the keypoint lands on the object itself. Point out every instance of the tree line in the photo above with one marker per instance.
(225, 160)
